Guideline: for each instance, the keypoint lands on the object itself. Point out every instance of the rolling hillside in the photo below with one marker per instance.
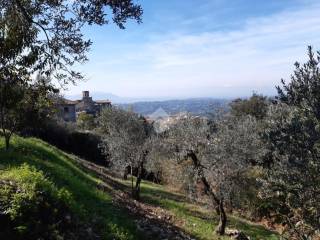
(100, 204)
(195, 106)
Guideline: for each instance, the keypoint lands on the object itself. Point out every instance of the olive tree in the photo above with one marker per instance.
(256, 106)
(218, 151)
(292, 135)
(126, 139)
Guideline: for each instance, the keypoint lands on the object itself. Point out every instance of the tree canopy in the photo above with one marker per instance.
(256, 106)
(46, 36)
(292, 137)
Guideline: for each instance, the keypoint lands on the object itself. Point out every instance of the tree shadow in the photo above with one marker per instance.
(92, 206)
(159, 193)
(153, 226)
(81, 180)
(255, 231)
(103, 174)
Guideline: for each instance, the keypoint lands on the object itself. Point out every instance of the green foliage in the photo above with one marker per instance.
(293, 180)
(66, 137)
(12, 91)
(127, 137)
(256, 106)
(32, 206)
(23, 105)
(90, 207)
(46, 36)
(292, 136)
(86, 121)
(303, 90)
(196, 219)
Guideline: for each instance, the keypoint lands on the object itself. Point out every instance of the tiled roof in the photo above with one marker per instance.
(74, 102)
(70, 102)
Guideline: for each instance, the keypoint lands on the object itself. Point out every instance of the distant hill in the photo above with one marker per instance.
(112, 97)
(196, 106)
(102, 96)
(147, 106)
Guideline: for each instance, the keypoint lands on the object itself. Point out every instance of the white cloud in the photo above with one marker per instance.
(267, 39)
(254, 57)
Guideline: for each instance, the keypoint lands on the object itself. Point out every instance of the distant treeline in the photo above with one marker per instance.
(196, 106)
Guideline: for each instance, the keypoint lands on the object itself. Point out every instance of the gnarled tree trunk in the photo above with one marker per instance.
(136, 194)
(137, 186)
(7, 140)
(126, 173)
(221, 228)
(138, 182)
(131, 172)
(208, 190)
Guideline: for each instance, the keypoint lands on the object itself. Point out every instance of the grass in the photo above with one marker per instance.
(197, 220)
(97, 207)
(91, 205)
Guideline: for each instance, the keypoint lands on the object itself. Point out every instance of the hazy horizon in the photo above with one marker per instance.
(188, 49)
(124, 99)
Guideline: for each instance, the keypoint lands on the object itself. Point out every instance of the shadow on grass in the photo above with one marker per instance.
(105, 176)
(111, 183)
(254, 231)
(81, 178)
(157, 192)
(91, 204)
(67, 171)
(199, 221)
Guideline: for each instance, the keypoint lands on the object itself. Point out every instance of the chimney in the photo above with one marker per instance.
(85, 94)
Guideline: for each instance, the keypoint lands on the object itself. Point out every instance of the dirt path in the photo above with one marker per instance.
(154, 222)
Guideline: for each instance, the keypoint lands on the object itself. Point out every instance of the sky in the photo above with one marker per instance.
(201, 48)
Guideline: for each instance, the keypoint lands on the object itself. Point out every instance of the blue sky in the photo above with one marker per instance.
(201, 48)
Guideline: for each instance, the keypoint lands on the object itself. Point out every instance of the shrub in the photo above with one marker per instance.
(32, 207)
(66, 137)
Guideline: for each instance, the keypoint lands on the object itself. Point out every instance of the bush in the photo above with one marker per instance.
(66, 137)
(32, 207)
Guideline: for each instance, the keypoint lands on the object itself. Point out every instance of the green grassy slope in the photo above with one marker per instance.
(196, 220)
(96, 207)
(92, 205)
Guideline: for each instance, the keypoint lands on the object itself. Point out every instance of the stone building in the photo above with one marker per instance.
(70, 109)
(67, 111)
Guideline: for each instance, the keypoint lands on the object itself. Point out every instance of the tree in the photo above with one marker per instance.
(256, 106)
(126, 139)
(218, 152)
(292, 136)
(304, 89)
(38, 106)
(86, 121)
(23, 105)
(11, 97)
(45, 37)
